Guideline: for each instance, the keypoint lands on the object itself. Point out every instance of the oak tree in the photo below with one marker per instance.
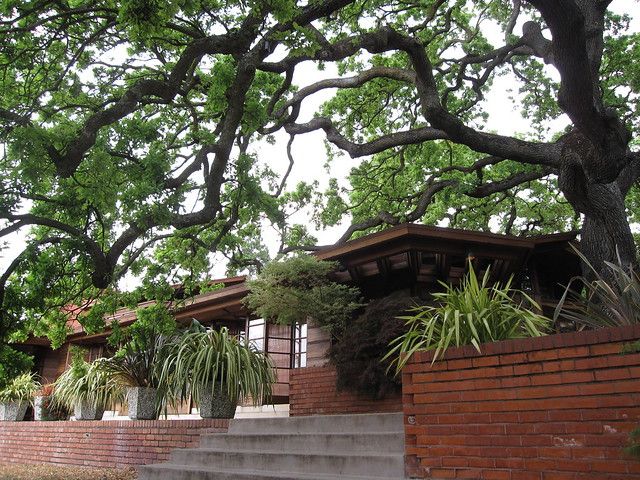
(130, 132)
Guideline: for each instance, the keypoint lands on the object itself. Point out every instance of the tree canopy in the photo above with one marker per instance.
(131, 132)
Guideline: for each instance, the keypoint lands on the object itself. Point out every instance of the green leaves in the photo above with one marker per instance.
(473, 314)
(13, 363)
(206, 359)
(298, 288)
(20, 389)
(87, 383)
(602, 299)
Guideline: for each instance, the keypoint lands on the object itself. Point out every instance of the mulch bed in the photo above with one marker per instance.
(50, 472)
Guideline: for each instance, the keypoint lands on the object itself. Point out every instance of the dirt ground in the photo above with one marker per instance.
(49, 472)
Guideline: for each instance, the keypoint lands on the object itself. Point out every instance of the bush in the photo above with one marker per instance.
(298, 288)
(85, 383)
(13, 363)
(470, 315)
(633, 447)
(358, 353)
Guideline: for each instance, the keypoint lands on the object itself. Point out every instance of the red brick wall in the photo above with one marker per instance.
(100, 444)
(553, 408)
(312, 391)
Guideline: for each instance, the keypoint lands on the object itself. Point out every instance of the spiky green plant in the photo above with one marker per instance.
(205, 359)
(139, 361)
(473, 314)
(86, 383)
(603, 300)
(20, 389)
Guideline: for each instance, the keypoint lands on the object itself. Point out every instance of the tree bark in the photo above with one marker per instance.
(606, 234)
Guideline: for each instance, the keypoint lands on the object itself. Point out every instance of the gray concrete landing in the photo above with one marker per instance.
(328, 447)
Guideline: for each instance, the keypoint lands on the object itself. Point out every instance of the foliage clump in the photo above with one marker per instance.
(604, 299)
(144, 346)
(85, 382)
(13, 363)
(358, 352)
(299, 288)
(633, 447)
(20, 389)
(203, 359)
(473, 314)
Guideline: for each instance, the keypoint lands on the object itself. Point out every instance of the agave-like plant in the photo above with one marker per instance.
(17, 395)
(473, 314)
(608, 300)
(138, 363)
(87, 383)
(205, 359)
(20, 389)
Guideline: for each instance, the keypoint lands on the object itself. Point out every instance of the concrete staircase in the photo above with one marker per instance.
(330, 447)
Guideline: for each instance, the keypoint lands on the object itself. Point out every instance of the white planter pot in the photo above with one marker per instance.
(87, 411)
(13, 411)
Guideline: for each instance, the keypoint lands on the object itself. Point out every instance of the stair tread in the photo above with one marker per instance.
(310, 434)
(306, 454)
(265, 474)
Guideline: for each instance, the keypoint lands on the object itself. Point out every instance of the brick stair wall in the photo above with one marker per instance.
(312, 391)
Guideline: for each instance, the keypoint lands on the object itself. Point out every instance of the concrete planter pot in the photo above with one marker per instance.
(43, 411)
(13, 411)
(87, 411)
(215, 403)
(141, 402)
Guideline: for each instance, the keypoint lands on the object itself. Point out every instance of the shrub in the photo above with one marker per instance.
(293, 290)
(633, 447)
(86, 383)
(358, 352)
(13, 363)
(143, 348)
(473, 314)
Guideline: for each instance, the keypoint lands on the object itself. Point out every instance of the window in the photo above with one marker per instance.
(299, 350)
(256, 331)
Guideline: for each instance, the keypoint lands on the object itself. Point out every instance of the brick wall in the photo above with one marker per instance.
(552, 408)
(312, 391)
(100, 443)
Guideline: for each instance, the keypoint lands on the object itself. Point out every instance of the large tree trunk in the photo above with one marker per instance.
(606, 234)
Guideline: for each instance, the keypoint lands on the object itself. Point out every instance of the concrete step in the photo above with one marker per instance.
(380, 464)
(182, 472)
(348, 447)
(374, 422)
(389, 442)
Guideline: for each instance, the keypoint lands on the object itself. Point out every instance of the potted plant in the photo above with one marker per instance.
(217, 370)
(136, 367)
(16, 396)
(86, 389)
(45, 408)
